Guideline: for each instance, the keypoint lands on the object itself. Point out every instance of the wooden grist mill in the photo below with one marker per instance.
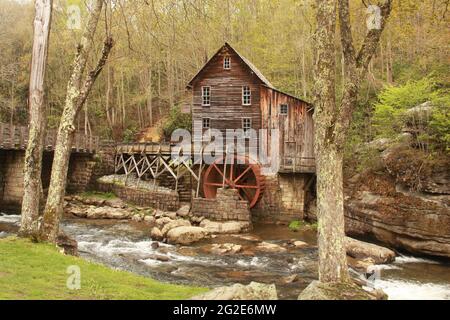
(230, 93)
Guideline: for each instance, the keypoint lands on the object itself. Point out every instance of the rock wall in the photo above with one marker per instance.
(12, 178)
(104, 162)
(283, 199)
(167, 201)
(226, 206)
(80, 172)
(404, 210)
(11, 175)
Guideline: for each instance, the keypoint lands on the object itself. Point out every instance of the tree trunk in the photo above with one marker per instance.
(32, 184)
(330, 207)
(330, 214)
(332, 124)
(77, 93)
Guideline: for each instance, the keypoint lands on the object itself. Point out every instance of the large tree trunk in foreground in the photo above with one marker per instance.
(330, 206)
(77, 92)
(332, 123)
(32, 184)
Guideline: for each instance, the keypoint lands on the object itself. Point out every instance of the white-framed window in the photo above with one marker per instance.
(206, 96)
(284, 108)
(227, 63)
(246, 96)
(206, 122)
(246, 126)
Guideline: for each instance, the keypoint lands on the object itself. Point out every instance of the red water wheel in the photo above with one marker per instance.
(238, 174)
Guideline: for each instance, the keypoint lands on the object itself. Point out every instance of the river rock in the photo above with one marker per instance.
(362, 250)
(290, 279)
(96, 213)
(158, 214)
(159, 257)
(253, 291)
(156, 234)
(297, 244)
(362, 265)
(115, 203)
(137, 217)
(149, 219)
(269, 247)
(335, 291)
(186, 235)
(171, 215)
(76, 211)
(197, 219)
(225, 227)
(68, 245)
(115, 213)
(174, 224)
(225, 248)
(161, 222)
(184, 211)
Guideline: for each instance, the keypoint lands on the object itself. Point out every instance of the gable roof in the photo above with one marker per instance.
(250, 65)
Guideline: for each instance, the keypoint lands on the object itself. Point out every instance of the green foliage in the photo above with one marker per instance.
(440, 125)
(38, 271)
(389, 112)
(129, 134)
(176, 120)
(314, 226)
(389, 115)
(295, 225)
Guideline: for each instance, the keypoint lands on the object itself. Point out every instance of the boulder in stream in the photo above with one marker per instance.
(363, 250)
(338, 291)
(226, 226)
(186, 235)
(156, 234)
(225, 248)
(269, 247)
(184, 211)
(252, 291)
(174, 224)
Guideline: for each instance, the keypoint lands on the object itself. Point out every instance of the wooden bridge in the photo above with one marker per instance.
(14, 137)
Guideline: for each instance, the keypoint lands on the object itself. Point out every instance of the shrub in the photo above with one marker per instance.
(389, 115)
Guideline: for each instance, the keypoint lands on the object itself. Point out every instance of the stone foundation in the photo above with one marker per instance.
(11, 175)
(80, 172)
(226, 206)
(284, 198)
(167, 201)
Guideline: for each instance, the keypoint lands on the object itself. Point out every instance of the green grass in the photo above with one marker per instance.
(39, 271)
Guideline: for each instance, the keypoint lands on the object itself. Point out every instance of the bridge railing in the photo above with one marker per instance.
(14, 137)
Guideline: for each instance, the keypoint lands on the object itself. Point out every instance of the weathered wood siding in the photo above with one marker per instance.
(295, 128)
(226, 110)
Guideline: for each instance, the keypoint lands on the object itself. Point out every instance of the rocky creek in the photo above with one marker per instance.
(227, 259)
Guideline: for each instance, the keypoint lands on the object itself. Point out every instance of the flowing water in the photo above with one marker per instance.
(127, 246)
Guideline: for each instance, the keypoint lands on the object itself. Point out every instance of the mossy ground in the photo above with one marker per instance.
(39, 271)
